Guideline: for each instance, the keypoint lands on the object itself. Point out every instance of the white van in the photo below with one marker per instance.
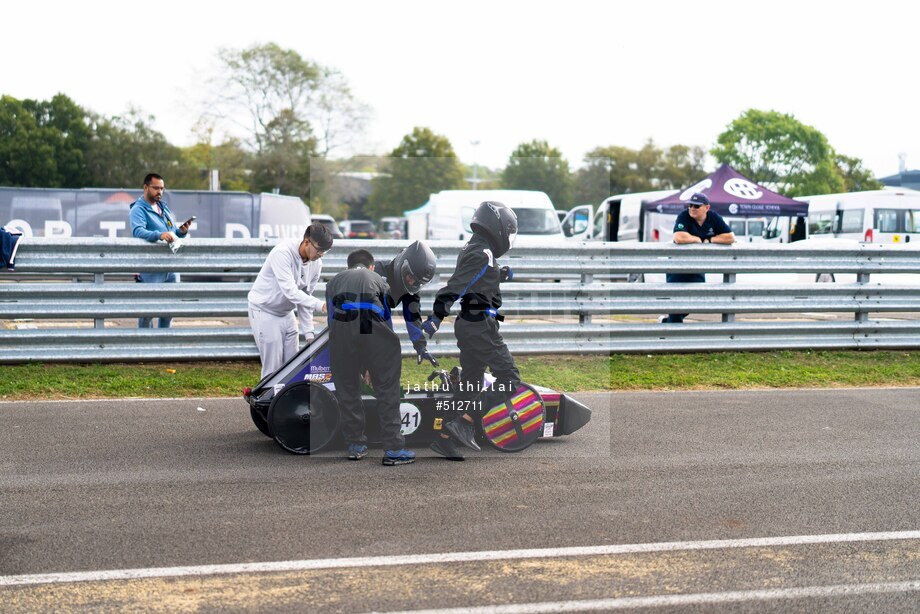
(873, 216)
(747, 229)
(618, 218)
(451, 212)
(879, 216)
(786, 229)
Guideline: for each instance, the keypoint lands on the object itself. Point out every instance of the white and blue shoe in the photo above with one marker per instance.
(398, 457)
(356, 451)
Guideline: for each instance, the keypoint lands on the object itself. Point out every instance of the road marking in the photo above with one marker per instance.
(449, 557)
(839, 590)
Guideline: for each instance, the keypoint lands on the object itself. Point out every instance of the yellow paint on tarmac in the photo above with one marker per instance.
(486, 583)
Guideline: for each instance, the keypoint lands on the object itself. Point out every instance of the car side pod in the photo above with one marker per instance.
(303, 418)
(574, 414)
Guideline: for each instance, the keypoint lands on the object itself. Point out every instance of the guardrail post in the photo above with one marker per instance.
(586, 279)
(728, 278)
(862, 278)
(99, 278)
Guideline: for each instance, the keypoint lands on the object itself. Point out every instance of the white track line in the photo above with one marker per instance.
(450, 557)
(839, 590)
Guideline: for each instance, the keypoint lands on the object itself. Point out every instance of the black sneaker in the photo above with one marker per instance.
(463, 432)
(446, 448)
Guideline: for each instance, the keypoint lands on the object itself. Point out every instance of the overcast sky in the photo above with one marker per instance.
(577, 74)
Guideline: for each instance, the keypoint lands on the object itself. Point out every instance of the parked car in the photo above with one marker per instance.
(358, 229)
(393, 228)
(329, 222)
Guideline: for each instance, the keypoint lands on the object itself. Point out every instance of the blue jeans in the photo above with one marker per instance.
(156, 278)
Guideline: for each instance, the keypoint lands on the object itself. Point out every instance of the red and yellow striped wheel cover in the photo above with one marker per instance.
(503, 432)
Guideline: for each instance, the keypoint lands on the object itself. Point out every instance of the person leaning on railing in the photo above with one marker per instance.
(152, 221)
(696, 224)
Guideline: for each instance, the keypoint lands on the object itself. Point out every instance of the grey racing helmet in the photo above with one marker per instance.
(498, 224)
(415, 266)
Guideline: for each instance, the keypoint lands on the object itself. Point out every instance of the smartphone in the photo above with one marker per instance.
(190, 220)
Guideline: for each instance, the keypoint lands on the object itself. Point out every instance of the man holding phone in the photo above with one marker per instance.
(152, 220)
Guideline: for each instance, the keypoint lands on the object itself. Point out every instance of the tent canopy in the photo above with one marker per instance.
(731, 193)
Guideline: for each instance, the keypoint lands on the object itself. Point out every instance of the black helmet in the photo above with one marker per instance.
(415, 266)
(497, 223)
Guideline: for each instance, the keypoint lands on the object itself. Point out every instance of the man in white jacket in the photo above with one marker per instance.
(284, 285)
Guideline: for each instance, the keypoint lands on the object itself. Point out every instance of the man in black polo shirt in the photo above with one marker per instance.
(697, 224)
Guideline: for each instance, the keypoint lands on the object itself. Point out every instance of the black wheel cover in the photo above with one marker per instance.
(258, 418)
(303, 418)
(516, 421)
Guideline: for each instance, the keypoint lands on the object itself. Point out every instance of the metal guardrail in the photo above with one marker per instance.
(199, 300)
(133, 345)
(245, 256)
(572, 302)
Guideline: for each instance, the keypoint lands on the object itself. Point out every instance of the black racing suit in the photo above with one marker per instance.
(361, 339)
(410, 303)
(475, 282)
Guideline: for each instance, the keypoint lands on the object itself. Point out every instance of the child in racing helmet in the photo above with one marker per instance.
(406, 274)
(475, 283)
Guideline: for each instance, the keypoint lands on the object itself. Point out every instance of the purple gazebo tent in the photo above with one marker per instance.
(731, 194)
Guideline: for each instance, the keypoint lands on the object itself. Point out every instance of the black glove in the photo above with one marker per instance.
(505, 274)
(431, 325)
(421, 349)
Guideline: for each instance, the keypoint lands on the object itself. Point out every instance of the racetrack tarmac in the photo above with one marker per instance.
(148, 484)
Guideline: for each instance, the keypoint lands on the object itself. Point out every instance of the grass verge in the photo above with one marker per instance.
(713, 371)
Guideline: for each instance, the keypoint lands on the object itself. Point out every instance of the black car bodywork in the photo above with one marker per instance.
(297, 408)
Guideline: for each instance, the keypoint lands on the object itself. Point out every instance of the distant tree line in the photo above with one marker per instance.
(275, 121)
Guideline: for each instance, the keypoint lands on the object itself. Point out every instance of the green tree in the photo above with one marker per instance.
(125, 148)
(537, 166)
(43, 143)
(856, 177)
(423, 163)
(290, 109)
(340, 187)
(591, 183)
(261, 84)
(681, 166)
(620, 170)
(486, 178)
(337, 116)
(778, 150)
(284, 162)
(197, 161)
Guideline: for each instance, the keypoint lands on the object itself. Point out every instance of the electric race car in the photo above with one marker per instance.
(297, 408)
